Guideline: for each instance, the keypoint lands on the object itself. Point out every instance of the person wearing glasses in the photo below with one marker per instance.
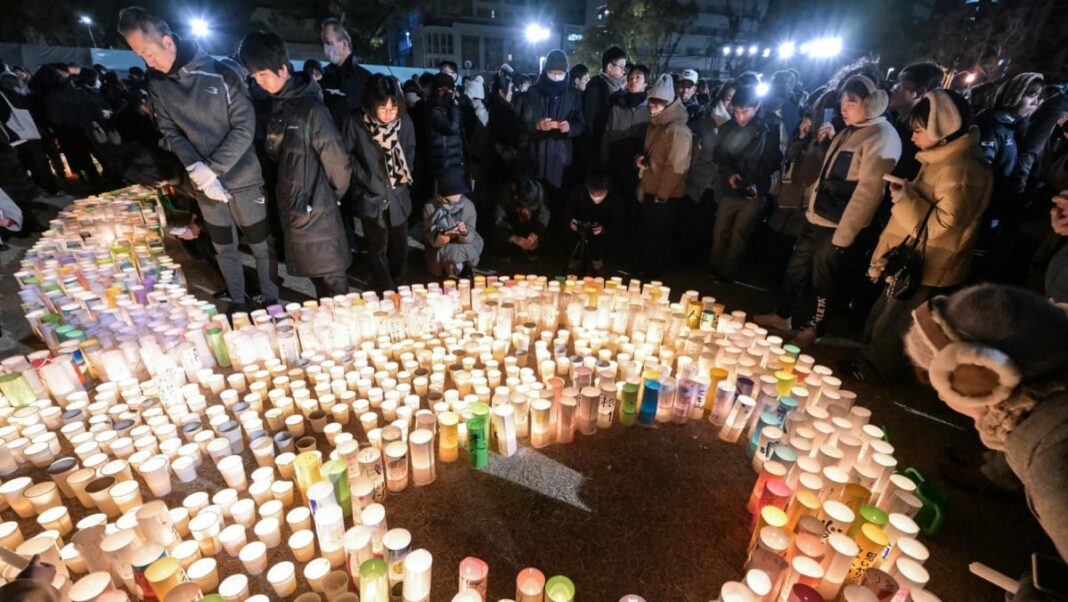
(596, 101)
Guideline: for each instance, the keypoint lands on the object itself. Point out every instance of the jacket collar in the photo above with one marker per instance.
(190, 57)
(673, 113)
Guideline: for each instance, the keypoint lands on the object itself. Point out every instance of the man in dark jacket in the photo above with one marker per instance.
(445, 133)
(913, 83)
(521, 220)
(686, 90)
(345, 78)
(1040, 128)
(313, 166)
(501, 151)
(747, 154)
(1017, 99)
(206, 118)
(596, 100)
(552, 113)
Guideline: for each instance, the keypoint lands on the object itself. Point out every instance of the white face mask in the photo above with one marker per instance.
(557, 78)
(331, 54)
(411, 98)
(597, 200)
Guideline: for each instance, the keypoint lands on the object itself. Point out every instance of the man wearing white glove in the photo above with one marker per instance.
(203, 109)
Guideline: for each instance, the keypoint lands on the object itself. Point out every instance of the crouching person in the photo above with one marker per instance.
(453, 246)
(313, 167)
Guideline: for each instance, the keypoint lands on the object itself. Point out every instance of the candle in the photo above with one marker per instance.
(529, 585)
(474, 575)
(540, 412)
(422, 450)
(504, 429)
(234, 588)
(315, 573)
(417, 573)
(559, 589)
(57, 519)
(233, 538)
(374, 583)
(156, 474)
(163, 575)
(871, 541)
(14, 494)
(396, 466)
(253, 556)
(268, 531)
(283, 578)
(42, 496)
(205, 574)
(477, 444)
(232, 469)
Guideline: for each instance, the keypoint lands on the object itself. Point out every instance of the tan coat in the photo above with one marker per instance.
(958, 181)
(667, 147)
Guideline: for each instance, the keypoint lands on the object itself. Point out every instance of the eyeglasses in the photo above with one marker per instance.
(620, 66)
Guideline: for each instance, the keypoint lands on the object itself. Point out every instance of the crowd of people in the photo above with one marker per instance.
(885, 195)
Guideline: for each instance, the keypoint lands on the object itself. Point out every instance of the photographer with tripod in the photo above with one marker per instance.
(594, 217)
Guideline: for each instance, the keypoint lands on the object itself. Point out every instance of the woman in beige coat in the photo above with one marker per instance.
(951, 192)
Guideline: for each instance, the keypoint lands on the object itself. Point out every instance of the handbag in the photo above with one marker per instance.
(21, 123)
(903, 265)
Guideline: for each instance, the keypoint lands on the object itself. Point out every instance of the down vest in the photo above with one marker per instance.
(313, 173)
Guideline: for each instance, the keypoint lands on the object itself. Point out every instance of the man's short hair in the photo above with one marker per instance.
(135, 18)
(339, 29)
(447, 64)
(640, 68)
(263, 51)
(745, 96)
(613, 54)
(579, 71)
(925, 76)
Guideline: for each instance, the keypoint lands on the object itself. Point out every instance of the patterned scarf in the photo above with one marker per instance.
(387, 137)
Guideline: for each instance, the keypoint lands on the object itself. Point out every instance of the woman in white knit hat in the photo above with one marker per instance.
(947, 199)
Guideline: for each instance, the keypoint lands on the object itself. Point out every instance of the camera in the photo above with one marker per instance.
(585, 225)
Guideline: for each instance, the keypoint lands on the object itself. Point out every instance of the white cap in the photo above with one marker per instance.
(690, 75)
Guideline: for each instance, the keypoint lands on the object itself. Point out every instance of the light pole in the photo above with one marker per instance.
(88, 22)
(536, 34)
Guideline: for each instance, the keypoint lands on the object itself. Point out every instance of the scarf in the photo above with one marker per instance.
(550, 88)
(387, 137)
(614, 84)
(633, 100)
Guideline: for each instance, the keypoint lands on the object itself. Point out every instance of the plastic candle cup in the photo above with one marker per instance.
(910, 574)
(42, 496)
(307, 468)
(233, 538)
(559, 589)
(867, 514)
(374, 581)
(628, 408)
(398, 543)
(269, 532)
(253, 556)
(234, 588)
(163, 575)
(529, 585)
(335, 584)
(448, 443)
(14, 493)
(302, 543)
(315, 573)
(205, 574)
(871, 541)
(650, 399)
(540, 411)
(504, 429)
(417, 573)
(477, 445)
(769, 516)
(474, 575)
(283, 579)
(337, 473)
(232, 469)
(836, 516)
(422, 451)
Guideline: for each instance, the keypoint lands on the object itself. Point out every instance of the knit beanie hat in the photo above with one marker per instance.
(556, 60)
(474, 89)
(663, 88)
(503, 77)
(874, 100)
(452, 182)
(1012, 91)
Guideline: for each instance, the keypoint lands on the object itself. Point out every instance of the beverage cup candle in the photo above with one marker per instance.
(417, 573)
(836, 517)
(56, 519)
(233, 538)
(504, 429)
(205, 574)
(374, 518)
(283, 579)
(99, 490)
(205, 527)
(10, 535)
(565, 426)
(841, 552)
(907, 547)
(422, 450)
(477, 443)
(156, 474)
(374, 582)
(871, 542)
(770, 470)
(894, 484)
(474, 575)
(910, 575)
(540, 413)
(769, 516)
(335, 584)
(14, 494)
(897, 526)
(803, 571)
(758, 582)
(42, 496)
(358, 548)
(164, 575)
(91, 587)
(234, 588)
(269, 532)
(396, 466)
(559, 589)
(253, 556)
(529, 585)
(315, 573)
(126, 495)
(302, 543)
(299, 519)
(232, 469)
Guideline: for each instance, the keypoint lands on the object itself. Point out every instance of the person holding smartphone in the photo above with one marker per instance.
(840, 205)
(948, 198)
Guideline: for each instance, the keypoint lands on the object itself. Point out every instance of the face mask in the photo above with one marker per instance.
(597, 200)
(97, 85)
(331, 53)
(411, 98)
(557, 78)
(524, 87)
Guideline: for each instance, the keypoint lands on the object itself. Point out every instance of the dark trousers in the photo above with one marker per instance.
(387, 252)
(33, 157)
(814, 279)
(889, 320)
(330, 285)
(736, 219)
(655, 236)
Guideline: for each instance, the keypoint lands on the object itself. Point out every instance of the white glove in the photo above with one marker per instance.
(201, 175)
(216, 192)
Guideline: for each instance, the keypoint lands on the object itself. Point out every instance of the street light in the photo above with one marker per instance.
(199, 27)
(762, 89)
(87, 21)
(726, 51)
(739, 50)
(766, 53)
(537, 33)
(753, 49)
(787, 50)
(824, 48)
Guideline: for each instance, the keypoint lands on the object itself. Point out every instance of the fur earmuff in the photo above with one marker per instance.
(944, 369)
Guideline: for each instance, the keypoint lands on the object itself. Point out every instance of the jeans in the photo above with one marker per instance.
(815, 277)
(387, 252)
(736, 219)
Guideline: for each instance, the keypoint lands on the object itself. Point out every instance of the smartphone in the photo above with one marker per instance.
(828, 115)
(895, 180)
(179, 231)
(1050, 575)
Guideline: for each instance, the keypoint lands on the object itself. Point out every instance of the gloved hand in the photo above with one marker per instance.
(216, 192)
(201, 175)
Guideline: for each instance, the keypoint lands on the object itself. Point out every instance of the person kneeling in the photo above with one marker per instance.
(314, 169)
(453, 246)
(593, 220)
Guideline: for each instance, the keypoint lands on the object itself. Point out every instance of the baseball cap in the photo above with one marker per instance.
(690, 75)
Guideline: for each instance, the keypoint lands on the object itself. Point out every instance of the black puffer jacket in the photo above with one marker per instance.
(313, 173)
(998, 132)
(371, 189)
(445, 135)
